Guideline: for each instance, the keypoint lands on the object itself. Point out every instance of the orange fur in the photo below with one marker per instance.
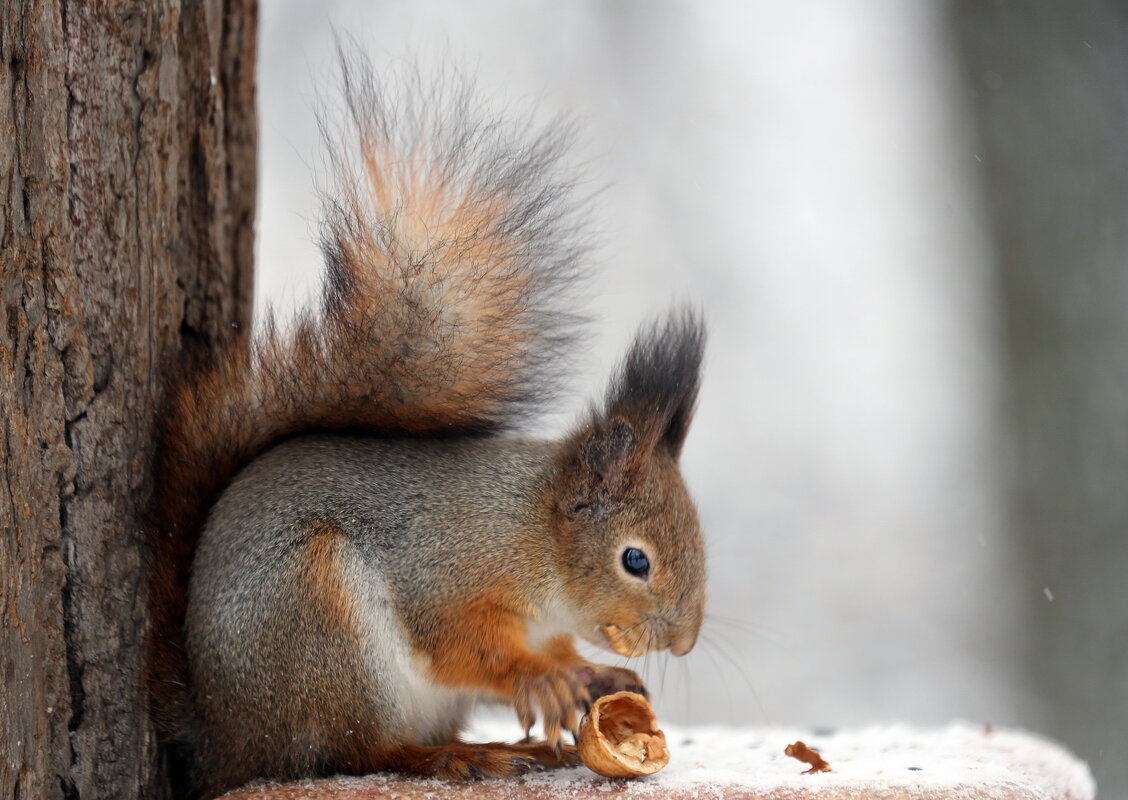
(462, 761)
(334, 710)
(323, 577)
(562, 650)
(482, 646)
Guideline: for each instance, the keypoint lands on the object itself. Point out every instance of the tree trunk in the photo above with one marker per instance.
(1047, 81)
(127, 174)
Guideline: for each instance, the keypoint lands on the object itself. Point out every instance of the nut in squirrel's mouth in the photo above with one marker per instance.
(623, 643)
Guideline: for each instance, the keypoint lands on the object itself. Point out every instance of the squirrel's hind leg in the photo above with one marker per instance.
(464, 761)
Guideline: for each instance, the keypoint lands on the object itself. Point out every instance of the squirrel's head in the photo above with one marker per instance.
(630, 549)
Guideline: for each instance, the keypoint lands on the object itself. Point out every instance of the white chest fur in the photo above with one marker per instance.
(417, 707)
(554, 621)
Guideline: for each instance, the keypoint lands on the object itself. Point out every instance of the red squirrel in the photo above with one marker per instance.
(351, 544)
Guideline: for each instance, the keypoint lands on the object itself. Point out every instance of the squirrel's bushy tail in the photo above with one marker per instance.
(451, 243)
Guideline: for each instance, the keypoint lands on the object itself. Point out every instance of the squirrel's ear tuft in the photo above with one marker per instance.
(655, 389)
(648, 408)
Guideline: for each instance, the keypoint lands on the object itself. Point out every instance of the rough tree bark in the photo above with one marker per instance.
(127, 173)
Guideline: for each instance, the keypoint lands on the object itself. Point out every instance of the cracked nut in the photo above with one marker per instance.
(619, 738)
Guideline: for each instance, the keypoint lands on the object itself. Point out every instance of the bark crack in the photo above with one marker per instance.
(69, 790)
(68, 485)
(75, 667)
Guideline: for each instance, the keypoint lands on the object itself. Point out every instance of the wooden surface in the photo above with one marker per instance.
(127, 175)
(958, 762)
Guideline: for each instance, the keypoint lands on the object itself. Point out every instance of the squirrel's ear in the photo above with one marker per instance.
(655, 389)
(607, 451)
(597, 462)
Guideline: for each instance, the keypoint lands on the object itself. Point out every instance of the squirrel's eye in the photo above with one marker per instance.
(635, 562)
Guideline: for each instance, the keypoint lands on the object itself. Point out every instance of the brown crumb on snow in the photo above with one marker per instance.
(808, 756)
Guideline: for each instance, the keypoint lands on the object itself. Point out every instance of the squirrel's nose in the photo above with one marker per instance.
(683, 634)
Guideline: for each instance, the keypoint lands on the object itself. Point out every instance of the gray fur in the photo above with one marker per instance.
(452, 500)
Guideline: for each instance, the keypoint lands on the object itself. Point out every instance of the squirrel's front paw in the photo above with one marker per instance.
(558, 695)
(601, 679)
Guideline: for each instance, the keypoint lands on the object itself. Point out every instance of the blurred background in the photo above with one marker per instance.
(907, 225)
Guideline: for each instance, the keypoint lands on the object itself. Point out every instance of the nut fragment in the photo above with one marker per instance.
(808, 755)
(621, 643)
(619, 738)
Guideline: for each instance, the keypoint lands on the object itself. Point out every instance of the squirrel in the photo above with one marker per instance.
(352, 541)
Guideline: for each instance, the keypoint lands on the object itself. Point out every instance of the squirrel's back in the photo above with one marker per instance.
(451, 252)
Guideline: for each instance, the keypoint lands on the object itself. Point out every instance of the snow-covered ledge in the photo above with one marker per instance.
(888, 762)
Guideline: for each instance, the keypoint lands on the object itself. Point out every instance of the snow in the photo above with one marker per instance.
(888, 761)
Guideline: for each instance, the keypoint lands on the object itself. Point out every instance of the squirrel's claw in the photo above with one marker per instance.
(557, 696)
(527, 764)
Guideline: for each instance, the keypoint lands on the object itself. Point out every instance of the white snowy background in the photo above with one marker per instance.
(800, 170)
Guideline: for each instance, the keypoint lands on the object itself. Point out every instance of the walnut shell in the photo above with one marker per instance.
(619, 738)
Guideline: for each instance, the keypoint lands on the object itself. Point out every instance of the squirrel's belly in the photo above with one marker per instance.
(419, 710)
